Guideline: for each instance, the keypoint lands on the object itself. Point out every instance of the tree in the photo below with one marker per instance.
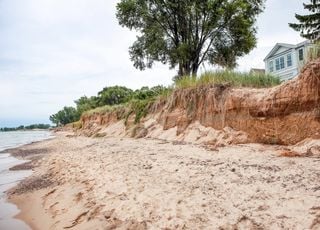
(65, 116)
(190, 32)
(114, 95)
(309, 26)
(84, 103)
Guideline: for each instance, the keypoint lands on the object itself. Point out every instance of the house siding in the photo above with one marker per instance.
(300, 64)
(287, 72)
(282, 51)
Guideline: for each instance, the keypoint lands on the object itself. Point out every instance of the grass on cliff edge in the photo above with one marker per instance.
(104, 109)
(236, 79)
(139, 107)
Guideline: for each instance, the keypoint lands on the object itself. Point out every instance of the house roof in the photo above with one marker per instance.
(276, 47)
(258, 71)
(289, 46)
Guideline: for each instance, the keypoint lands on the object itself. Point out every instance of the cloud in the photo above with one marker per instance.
(54, 51)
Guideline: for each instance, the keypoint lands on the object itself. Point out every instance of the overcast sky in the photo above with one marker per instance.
(54, 51)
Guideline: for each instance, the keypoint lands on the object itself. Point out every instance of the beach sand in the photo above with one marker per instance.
(123, 183)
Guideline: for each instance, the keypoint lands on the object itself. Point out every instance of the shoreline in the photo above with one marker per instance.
(123, 183)
(9, 179)
(15, 168)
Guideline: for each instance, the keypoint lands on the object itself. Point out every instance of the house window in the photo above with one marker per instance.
(289, 60)
(270, 66)
(300, 54)
(281, 62)
(277, 64)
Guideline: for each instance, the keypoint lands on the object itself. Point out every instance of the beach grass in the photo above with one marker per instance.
(235, 79)
(104, 109)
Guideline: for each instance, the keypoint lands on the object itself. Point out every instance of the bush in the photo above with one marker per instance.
(139, 108)
(77, 125)
(84, 103)
(114, 95)
(146, 92)
(65, 116)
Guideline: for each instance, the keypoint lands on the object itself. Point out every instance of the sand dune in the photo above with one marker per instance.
(122, 183)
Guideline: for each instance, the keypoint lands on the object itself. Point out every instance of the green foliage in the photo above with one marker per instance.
(188, 33)
(309, 25)
(146, 92)
(28, 127)
(139, 108)
(233, 78)
(109, 99)
(137, 103)
(65, 116)
(114, 95)
(84, 103)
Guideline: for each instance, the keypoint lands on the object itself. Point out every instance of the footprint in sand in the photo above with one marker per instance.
(80, 218)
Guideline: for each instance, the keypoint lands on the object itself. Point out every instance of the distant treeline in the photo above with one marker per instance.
(28, 127)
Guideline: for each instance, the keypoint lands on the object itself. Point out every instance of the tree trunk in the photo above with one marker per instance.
(184, 70)
(195, 68)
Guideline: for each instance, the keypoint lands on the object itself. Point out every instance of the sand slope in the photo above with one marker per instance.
(121, 183)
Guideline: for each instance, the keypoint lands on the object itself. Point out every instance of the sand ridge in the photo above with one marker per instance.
(123, 183)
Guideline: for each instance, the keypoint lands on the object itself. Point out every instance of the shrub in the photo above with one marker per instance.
(76, 125)
(139, 108)
(65, 116)
(114, 95)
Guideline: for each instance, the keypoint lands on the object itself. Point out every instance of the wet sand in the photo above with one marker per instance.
(9, 179)
(122, 183)
(14, 170)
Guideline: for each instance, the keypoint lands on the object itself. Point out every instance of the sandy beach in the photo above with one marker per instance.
(123, 183)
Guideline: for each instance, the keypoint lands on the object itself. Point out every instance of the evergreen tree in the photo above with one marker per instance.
(309, 25)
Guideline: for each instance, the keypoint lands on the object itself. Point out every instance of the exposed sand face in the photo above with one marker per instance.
(121, 183)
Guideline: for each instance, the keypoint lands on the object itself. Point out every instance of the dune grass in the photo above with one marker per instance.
(104, 109)
(236, 79)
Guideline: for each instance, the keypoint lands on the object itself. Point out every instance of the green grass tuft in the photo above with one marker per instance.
(235, 79)
(140, 108)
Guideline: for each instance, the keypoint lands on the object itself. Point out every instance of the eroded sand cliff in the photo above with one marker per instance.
(219, 114)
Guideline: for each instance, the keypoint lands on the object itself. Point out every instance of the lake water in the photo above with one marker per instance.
(9, 179)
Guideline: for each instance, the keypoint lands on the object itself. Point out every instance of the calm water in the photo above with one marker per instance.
(8, 179)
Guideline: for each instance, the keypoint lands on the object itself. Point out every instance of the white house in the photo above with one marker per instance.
(286, 60)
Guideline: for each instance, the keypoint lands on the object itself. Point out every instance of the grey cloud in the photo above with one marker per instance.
(54, 51)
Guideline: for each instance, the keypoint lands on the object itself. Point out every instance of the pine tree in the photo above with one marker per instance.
(309, 25)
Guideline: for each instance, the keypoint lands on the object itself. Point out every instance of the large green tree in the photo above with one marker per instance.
(190, 32)
(114, 95)
(309, 25)
(84, 103)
